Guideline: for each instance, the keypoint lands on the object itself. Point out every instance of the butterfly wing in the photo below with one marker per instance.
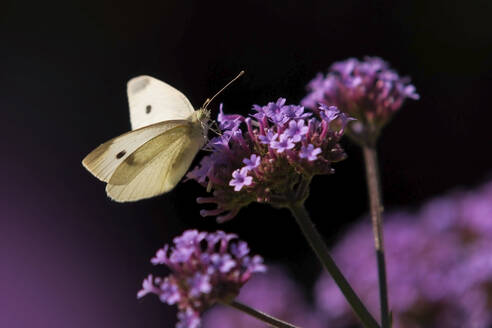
(152, 101)
(157, 166)
(103, 161)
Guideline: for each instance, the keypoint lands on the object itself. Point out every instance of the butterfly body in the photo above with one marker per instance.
(151, 159)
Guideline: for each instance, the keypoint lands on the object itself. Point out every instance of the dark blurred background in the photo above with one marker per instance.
(72, 258)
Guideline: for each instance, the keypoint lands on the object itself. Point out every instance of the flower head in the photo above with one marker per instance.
(264, 156)
(205, 268)
(368, 90)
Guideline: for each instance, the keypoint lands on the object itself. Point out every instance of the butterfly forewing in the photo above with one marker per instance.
(153, 101)
(157, 166)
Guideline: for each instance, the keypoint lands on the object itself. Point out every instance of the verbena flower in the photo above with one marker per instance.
(439, 265)
(274, 293)
(263, 157)
(367, 90)
(253, 162)
(240, 178)
(205, 268)
(309, 152)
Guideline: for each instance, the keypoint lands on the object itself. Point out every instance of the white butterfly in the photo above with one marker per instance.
(151, 159)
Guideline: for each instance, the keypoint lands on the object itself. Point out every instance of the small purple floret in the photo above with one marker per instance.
(328, 113)
(169, 292)
(310, 153)
(240, 179)
(284, 143)
(199, 283)
(240, 249)
(147, 287)
(296, 130)
(253, 162)
(295, 112)
(160, 257)
(268, 138)
(228, 122)
(224, 263)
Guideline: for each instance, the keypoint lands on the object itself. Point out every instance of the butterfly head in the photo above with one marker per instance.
(202, 117)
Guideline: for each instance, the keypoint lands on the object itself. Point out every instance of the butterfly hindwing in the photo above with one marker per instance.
(156, 167)
(153, 101)
(103, 161)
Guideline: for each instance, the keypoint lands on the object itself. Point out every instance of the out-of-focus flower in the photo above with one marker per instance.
(263, 157)
(439, 265)
(205, 268)
(274, 293)
(367, 90)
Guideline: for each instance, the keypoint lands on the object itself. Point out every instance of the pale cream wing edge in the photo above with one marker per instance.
(151, 101)
(163, 171)
(103, 161)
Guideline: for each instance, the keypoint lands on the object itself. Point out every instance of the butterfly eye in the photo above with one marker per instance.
(148, 109)
(120, 154)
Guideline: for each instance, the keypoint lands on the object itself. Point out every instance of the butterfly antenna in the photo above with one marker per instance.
(209, 100)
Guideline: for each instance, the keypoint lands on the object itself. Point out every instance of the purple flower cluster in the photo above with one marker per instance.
(274, 293)
(367, 90)
(264, 156)
(439, 265)
(206, 268)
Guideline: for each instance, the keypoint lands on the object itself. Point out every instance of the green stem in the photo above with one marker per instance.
(274, 322)
(318, 245)
(376, 207)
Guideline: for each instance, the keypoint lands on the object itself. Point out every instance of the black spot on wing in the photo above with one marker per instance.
(121, 154)
(148, 109)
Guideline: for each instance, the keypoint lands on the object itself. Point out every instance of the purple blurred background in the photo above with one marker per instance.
(71, 257)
